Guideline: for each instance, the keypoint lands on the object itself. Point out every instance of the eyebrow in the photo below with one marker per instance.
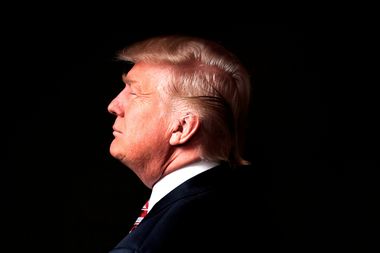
(130, 81)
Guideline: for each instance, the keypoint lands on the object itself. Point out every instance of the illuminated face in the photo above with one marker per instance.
(142, 124)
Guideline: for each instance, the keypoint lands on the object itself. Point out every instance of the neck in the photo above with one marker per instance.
(181, 157)
(180, 161)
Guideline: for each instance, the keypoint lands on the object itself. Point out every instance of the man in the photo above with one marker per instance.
(178, 127)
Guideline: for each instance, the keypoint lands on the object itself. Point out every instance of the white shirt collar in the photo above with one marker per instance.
(177, 177)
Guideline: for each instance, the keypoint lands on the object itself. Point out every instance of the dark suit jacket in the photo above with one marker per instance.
(221, 210)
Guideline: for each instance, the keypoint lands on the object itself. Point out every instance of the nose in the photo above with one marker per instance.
(115, 107)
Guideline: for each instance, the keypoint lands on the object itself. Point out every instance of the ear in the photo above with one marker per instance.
(184, 129)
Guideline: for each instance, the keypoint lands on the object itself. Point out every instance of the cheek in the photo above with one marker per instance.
(145, 123)
(142, 117)
(152, 132)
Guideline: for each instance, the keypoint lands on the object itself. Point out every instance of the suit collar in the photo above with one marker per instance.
(202, 182)
(177, 177)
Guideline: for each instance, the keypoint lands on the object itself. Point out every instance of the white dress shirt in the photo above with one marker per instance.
(172, 180)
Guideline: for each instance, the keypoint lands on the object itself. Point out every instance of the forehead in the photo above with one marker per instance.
(147, 75)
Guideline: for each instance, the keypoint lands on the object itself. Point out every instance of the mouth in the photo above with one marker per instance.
(115, 131)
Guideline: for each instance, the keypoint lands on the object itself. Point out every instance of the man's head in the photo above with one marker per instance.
(184, 96)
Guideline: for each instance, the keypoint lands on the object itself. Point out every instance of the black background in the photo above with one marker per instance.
(311, 130)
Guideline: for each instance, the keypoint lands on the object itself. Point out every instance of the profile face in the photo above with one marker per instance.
(141, 128)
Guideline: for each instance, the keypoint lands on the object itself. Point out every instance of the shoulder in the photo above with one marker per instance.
(221, 210)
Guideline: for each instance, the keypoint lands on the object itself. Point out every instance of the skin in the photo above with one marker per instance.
(151, 137)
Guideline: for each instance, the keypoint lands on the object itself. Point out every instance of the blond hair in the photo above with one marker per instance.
(208, 78)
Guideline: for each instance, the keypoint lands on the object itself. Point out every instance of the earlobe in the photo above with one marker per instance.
(175, 138)
(184, 129)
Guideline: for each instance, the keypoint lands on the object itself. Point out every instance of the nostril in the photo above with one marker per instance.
(114, 108)
(110, 108)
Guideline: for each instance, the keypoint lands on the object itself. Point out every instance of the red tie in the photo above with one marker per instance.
(144, 212)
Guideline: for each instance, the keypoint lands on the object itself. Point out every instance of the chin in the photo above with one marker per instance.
(117, 152)
(114, 151)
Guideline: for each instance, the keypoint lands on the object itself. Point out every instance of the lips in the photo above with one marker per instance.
(116, 130)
